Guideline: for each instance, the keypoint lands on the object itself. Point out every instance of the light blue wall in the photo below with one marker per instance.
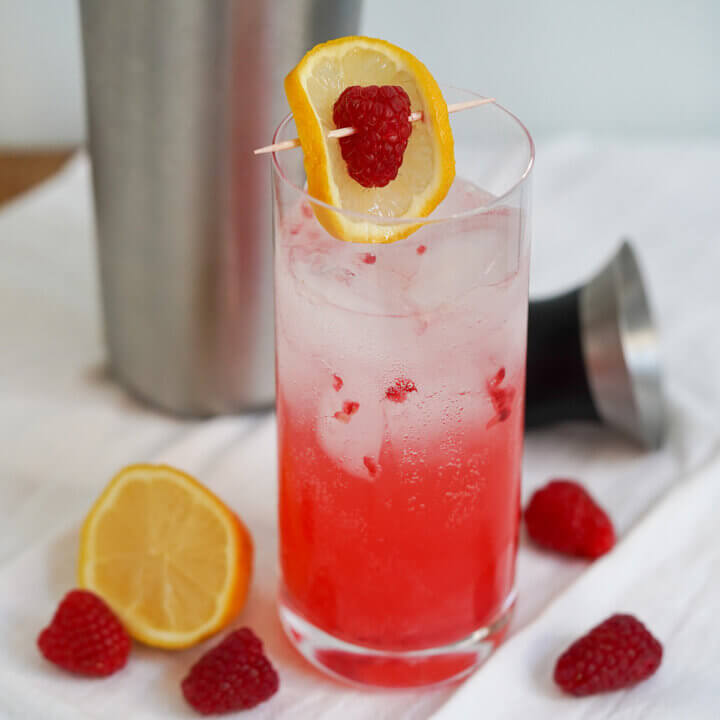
(618, 66)
(628, 67)
(40, 73)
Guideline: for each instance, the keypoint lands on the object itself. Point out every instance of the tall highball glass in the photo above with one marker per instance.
(400, 392)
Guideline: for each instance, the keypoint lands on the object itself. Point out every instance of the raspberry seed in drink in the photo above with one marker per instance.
(399, 390)
(349, 408)
(501, 398)
(371, 465)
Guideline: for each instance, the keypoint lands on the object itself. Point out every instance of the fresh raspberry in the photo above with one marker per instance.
(379, 115)
(616, 654)
(399, 390)
(563, 516)
(234, 675)
(421, 249)
(85, 637)
(350, 407)
(501, 398)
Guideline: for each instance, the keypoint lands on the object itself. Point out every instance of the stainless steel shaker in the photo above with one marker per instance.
(178, 95)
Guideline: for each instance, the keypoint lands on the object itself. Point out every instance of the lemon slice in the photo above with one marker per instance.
(169, 557)
(428, 166)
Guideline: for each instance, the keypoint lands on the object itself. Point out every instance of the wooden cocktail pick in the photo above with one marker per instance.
(344, 132)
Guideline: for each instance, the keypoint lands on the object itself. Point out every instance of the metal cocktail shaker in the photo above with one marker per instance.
(178, 95)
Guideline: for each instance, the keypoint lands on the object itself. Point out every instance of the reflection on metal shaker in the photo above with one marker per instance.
(178, 95)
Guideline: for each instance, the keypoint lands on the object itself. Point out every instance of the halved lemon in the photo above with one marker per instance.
(168, 556)
(428, 166)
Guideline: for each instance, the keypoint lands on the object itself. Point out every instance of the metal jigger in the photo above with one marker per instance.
(593, 355)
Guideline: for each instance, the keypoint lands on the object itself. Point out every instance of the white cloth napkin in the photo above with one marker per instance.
(66, 427)
(667, 573)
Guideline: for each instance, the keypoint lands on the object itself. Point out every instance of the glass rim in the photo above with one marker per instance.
(429, 219)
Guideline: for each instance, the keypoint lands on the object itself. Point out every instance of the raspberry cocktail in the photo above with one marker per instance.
(400, 383)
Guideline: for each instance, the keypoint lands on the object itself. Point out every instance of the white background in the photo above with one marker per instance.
(623, 67)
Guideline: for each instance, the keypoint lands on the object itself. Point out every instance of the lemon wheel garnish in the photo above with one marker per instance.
(428, 167)
(168, 556)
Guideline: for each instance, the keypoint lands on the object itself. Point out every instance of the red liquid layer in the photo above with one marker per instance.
(417, 554)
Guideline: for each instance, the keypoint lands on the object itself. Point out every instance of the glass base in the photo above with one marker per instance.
(365, 666)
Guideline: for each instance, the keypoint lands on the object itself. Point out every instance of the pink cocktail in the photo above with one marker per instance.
(400, 381)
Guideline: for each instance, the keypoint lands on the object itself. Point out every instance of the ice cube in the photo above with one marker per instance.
(351, 426)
